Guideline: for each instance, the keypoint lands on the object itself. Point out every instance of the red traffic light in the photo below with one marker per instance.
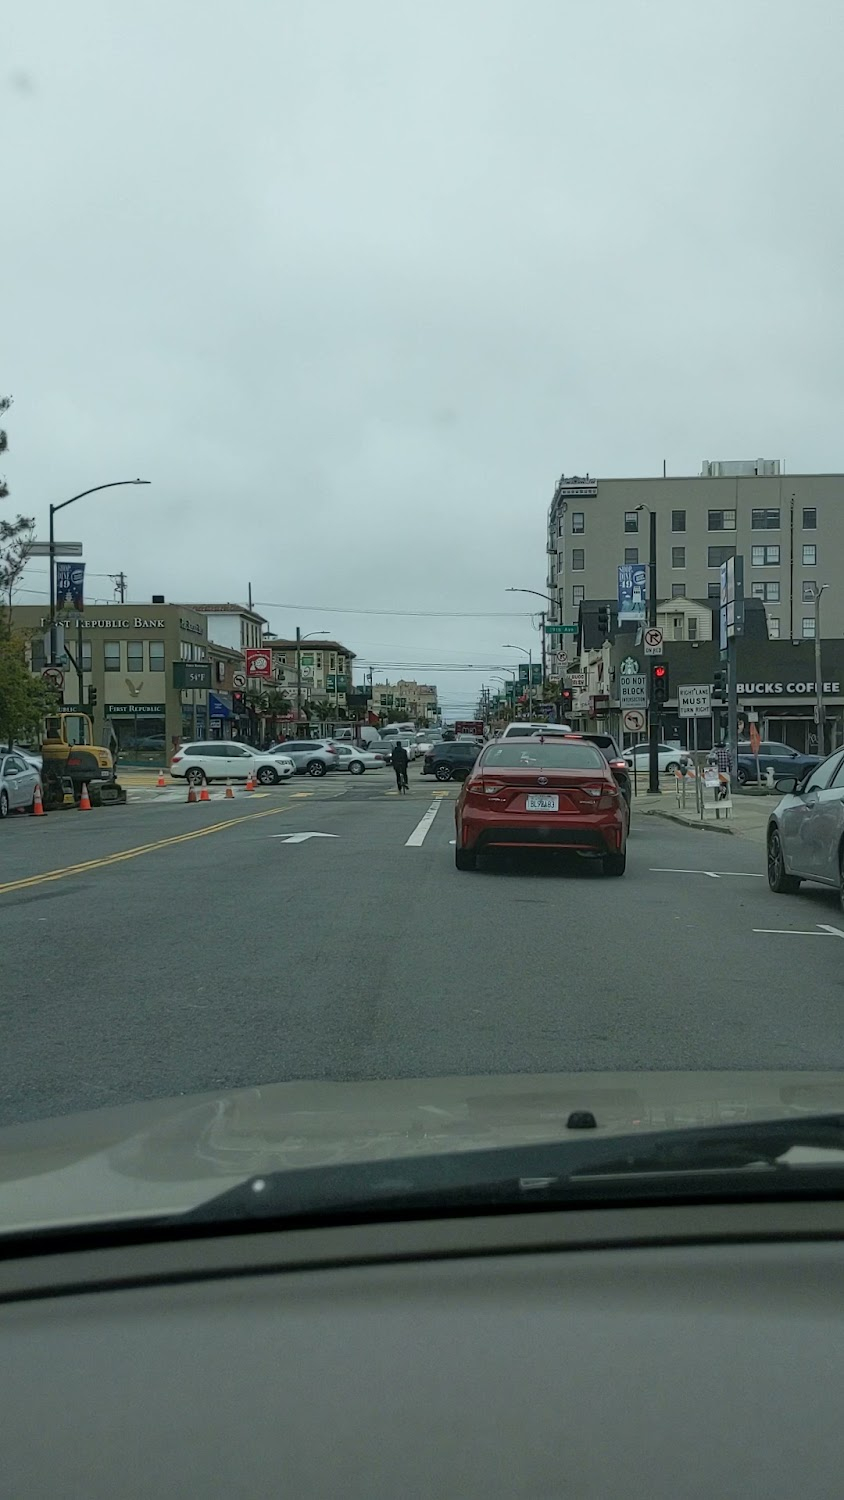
(660, 671)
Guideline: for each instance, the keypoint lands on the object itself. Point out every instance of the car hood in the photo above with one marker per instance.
(170, 1155)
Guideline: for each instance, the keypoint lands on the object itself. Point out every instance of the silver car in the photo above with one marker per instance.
(806, 829)
(315, 757)
(18, 780)
(354, 759)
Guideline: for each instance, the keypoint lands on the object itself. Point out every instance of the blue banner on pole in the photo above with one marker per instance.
(632, 591)
(70, 585)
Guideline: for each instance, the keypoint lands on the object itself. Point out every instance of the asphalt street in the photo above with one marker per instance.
(160, 948)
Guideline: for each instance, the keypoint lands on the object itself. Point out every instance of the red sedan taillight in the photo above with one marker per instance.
(484, 788)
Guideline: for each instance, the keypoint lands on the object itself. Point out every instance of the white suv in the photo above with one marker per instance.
(228, 760)
(521, 730)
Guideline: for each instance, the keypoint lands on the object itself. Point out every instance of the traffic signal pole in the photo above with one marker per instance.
(653, 712)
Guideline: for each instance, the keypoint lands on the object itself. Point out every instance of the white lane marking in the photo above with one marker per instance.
(713, 874)
(825, 931)
(300, 838)
(422, 828)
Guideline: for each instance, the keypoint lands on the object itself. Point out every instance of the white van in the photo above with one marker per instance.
(397, 731)
(520, 730)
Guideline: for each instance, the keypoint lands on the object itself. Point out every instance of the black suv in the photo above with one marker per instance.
(450, 760)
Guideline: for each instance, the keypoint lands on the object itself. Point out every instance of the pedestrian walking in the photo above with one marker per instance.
(399, 762)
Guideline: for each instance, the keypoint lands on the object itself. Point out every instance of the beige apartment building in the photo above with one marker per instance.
(789, 528)
(324, 668)
(416, 700)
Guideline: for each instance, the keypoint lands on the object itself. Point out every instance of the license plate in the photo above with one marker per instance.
(542, 804)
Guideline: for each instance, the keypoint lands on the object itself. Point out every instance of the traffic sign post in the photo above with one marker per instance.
(653, 641)
(633, 691)
(561, 630)
(694, 701)
(633, 720)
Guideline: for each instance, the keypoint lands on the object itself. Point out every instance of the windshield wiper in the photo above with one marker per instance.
(704, 1160)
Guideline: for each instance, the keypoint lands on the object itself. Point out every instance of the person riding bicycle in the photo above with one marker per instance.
(399, 762)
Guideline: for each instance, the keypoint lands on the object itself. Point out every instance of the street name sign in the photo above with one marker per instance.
(561, 630)
(694, 701)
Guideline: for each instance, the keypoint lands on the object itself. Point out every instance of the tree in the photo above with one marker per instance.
(15, 537)
(321, 709)
(24, 699)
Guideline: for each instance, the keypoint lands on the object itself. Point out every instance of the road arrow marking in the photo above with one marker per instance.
(825, 931)
(300, 838)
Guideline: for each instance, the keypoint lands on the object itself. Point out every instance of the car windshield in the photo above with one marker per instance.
(562, 756)
(411, 417)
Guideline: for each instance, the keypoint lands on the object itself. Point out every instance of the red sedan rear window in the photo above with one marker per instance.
(559, 755)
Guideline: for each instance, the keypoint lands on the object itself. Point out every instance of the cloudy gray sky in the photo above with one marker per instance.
(353, 281)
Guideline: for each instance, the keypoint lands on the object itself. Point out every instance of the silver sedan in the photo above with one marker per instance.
(806, 829)
(18, 781)
(356, 760)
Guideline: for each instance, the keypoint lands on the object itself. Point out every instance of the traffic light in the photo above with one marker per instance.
(92, 697)
(238, 702)
(566, 698)
(659, 684)
(603, 621)
(719, 686)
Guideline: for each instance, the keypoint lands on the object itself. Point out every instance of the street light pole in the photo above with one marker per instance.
(653, 716)
(299, 639)
(819, 711)
(115, 484)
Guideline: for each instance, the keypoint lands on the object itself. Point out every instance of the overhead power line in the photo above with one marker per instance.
(414, 614)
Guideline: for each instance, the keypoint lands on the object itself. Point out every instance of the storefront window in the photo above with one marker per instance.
(141, 737)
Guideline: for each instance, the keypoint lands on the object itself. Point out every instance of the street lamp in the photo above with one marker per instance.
(819, 711)
(653, 737)
(529, 655)
(299, 639)
(548, 599)
(54, 510)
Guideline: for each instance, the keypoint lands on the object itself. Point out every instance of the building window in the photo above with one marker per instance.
(810, 518)
(692, 627)
(678, 591)
(678, 520)
(631, 520)
(86, 656)
(631, 554)
(719, 555)
(768, 591)
(809, 589)
(713, 591)
(578, 594)
(578, 560)
(111, 656)
(773, 627)
(765, 520)
(156, 656)
(678, 557)
(578, 521)
(810, 556)
(809, 628)
(722, 520)
(134, 656)
(765, 557)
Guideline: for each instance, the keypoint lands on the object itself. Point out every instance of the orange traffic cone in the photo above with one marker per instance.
(84, 800)
(229, 789)
(204, 795)
(161, 781)
(191, 792)
(250, 784)
(38, 805)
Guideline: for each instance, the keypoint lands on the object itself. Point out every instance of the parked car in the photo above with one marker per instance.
(805, 836)
(450, 760)
(547, 793)
(355, 760)
(314, 757)
(228, 760)
(18, 780)
(522, 729)
(670, 757)
(783, 760)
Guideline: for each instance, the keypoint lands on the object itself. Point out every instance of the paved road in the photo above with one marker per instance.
(160, 949)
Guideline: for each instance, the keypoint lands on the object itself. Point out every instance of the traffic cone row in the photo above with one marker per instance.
(161, 781)
(38, 805)
(84, 800)
(205, 795)
(250, 783)
(229, 789)
(191, 792)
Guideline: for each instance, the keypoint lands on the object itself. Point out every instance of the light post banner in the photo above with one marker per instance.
(632, 592)
(70, 586)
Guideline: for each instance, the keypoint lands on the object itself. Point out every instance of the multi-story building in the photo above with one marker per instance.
(324, 668)
(127, 653)
(413, 700)
(788, 528)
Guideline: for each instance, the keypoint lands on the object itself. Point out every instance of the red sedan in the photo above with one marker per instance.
(542, 794)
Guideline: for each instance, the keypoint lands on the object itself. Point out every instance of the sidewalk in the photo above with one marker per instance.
(748, 818)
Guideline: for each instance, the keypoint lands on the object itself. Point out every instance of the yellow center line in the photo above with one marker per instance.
(123, 854)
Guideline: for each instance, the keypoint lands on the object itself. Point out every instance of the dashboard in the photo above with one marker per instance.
(693, 1351)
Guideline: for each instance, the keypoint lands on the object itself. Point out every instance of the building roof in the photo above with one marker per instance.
(229, 609)
(307, 645)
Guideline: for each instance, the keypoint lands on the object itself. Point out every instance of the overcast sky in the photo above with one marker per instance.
(353, 281)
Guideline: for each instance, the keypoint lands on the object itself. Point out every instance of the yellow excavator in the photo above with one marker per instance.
(71, 760)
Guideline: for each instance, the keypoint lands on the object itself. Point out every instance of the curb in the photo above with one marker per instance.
(656, 812)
